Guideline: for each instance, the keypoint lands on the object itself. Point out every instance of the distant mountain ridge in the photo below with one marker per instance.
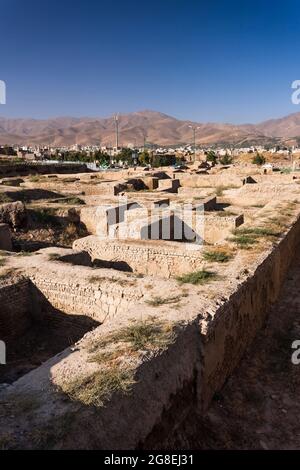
(158, 128)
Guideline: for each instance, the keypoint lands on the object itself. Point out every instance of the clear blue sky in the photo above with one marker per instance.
(228, 61)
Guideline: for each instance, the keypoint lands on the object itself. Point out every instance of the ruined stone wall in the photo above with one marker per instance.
(98, 299)
(200, 181)
(154, 258)
(5, 237)
(225, 339)
(186, 375)
(236, 323)
(24, 169)
(15, 304)
(262, 194)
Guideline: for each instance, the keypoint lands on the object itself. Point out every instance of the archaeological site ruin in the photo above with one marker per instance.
(129, 298)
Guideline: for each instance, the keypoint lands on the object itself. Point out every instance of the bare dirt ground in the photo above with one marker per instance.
(259, 406)
(47, 230)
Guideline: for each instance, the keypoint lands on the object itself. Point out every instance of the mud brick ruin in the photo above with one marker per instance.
(116, 327)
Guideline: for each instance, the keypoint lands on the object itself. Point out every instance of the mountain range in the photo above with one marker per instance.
(155, 127)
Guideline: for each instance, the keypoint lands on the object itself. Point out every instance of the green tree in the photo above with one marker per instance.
(211, 156)
(258, 159)
(8, 151)
(162, 160)
(226, 159)
(144, 158)
(125, 155)
(101, 157)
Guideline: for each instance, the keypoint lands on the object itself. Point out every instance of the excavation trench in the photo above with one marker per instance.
(33, 329)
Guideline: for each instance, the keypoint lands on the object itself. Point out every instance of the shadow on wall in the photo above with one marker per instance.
(48, 332)
(27, 195)
(83, 258)
(170, 229)
(118, 265)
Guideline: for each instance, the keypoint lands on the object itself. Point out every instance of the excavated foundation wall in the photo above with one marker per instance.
(24, 169)
(75, 304)
(229, 334)
(200, 181)
(5, 237)
(77, 296)
(15, 306)
(238, 321)
(161, 259)
(184, 376)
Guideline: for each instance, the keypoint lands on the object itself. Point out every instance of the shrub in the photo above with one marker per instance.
(258, 159)
(217, 256)
(140, 335)
(198, 277)
(72, 200)
(211, 156)
(257, 232)
(156, 301)
(226, 159)
(96, 389)
(244, 241)
(53, 256)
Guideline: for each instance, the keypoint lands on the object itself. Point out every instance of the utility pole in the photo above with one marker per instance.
(116, 118)
(194, 128)
(144, 136)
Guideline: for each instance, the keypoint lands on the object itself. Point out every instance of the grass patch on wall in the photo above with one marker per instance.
(96, 389)
(26, 253)
(217, 256)
(198, 277)
(54, 256)
(112, 353)
(121, 282)
(140, 335)
(257, 232)
(74, 200)
(244, 241)
(157, 301)
(246, 237)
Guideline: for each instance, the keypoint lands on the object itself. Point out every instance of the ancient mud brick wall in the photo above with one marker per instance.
(97, 218)
(74, 295)
(185, 376)
(198, 181)
(15, 307)
(5, 237)
(236, 323)
(170, 185)
(27, 169)
(216, 229)
(154, 258)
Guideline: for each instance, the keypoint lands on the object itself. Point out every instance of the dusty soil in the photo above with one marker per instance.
(47, 231)
(259, 406)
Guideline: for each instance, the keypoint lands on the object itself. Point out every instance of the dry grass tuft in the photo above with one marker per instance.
(198, 277)
(111, 352)
(98, 388)
(143, 335)
(156, 301)
(217, 256)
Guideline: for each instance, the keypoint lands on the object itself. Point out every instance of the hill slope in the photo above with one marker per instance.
(157, 127)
